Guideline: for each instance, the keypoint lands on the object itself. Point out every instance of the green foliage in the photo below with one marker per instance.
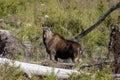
(80, 77)
(66, 17)
(10, 73)
(103, 75)
(10, 7)
(50, 76)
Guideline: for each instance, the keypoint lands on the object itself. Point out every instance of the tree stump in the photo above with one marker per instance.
(114, 47)
(8, 45)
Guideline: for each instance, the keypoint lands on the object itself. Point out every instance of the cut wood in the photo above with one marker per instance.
(39, 69)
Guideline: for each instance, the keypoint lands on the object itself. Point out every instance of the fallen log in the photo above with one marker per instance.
(115, 75)
(39, 69)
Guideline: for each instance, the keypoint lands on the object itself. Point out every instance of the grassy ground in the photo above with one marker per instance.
(66, 17)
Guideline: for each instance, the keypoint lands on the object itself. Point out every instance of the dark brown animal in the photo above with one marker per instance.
(59, 47)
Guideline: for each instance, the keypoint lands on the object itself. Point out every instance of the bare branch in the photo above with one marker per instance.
(106, 62)
(114, 7)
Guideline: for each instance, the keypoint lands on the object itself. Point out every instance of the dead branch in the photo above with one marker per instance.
(71, 65)
(39, 69)
(114, 7)
(106, 62)
(115, 75)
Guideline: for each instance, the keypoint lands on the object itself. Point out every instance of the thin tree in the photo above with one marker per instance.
(82, 34)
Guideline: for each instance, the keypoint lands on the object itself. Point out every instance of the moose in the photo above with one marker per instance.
(59, 47)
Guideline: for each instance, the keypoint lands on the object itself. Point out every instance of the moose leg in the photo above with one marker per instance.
(52, 54)
(73, 58)
(50, 57)
(56, 57)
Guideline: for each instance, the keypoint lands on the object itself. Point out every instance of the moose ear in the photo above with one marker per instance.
(42, 25)
(45, 27)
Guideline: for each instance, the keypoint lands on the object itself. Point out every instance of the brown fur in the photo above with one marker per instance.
(59, 47)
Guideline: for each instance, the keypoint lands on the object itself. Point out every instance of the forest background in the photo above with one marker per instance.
(23, 19)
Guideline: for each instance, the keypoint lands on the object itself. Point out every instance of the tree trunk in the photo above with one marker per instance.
(114, 47)
(39, 70)
(8, 45)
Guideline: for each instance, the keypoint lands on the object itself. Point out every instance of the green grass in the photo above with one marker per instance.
(68, 18)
